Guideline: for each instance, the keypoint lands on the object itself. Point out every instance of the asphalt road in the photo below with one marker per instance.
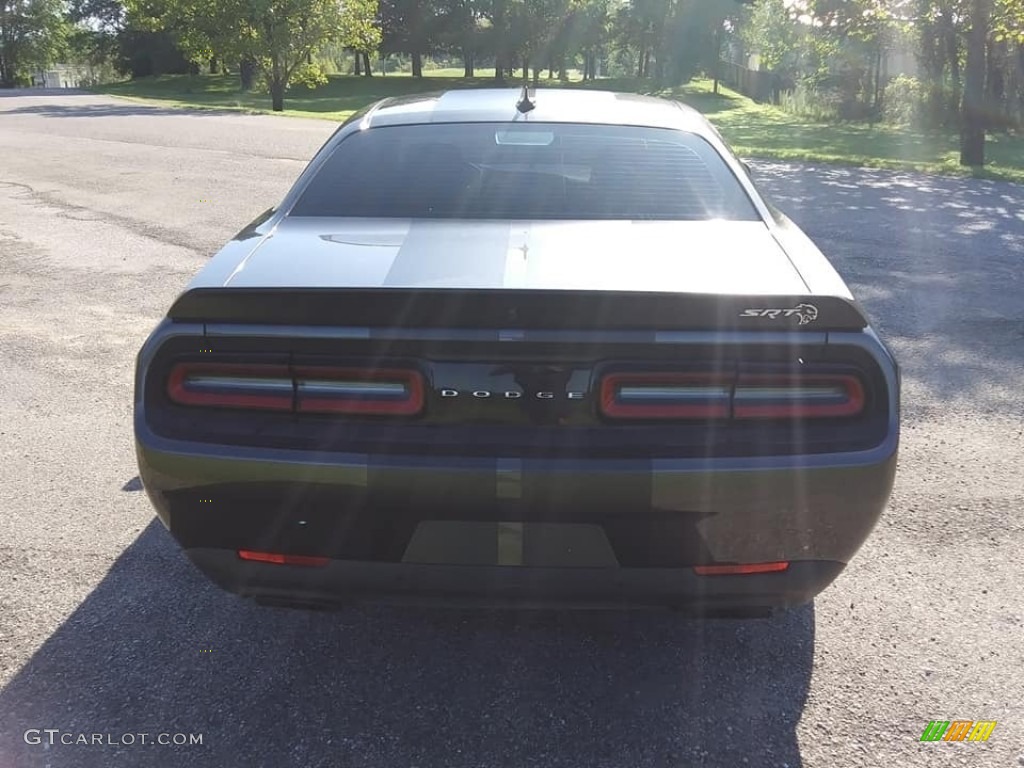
(107, 208)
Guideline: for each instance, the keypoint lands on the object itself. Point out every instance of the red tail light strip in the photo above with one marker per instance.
(264, 387)
(276, 558)
(805, 396)
(360, 391)
(671, 395)
(740, 570)
(385, 392)
(665, 396)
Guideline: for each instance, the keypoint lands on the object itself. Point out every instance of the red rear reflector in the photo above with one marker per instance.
(360, 391)
(669, 395)
(231, 385)
(735, 570)
(768, 396)
(279, 559)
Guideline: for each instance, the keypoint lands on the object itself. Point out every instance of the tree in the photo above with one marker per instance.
(33, 34)
(972, 124)
(359, 30)
(691, 38)
(460, 31)
(498, 35)
(588, 32)
(772, 33)
(277, 38)
(533, 30)
(408, 26)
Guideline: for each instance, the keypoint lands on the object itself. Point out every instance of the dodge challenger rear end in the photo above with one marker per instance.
(547, 350)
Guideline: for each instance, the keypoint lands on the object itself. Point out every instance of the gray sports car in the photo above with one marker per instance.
(520, 347)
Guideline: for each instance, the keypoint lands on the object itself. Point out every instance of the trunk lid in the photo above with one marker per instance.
(735, 257)
(554, 275)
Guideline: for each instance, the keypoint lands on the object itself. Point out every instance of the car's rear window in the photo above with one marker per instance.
(520, 171)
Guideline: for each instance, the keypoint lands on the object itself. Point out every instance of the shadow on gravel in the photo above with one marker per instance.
(155, 649)
(938, 263)
(135, 484)
(7, 92)
(112, 110)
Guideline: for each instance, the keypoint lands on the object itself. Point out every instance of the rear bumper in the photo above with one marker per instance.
(660, 518)
(340, 582)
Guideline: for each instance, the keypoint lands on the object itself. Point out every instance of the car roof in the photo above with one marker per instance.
(552, 105)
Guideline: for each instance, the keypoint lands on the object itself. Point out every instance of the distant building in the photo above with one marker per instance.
(60, 76)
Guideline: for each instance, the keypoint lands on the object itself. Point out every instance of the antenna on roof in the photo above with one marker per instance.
(524, 104)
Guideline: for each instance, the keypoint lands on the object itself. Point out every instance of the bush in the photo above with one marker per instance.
(308, 76)
(906, 102)
(806, 101)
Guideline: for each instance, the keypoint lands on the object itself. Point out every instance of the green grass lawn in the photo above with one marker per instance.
(759, 130)
(754, 130)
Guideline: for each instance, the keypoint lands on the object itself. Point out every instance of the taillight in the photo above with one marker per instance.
(779, 396)
(665, 395)
(308, 389)
(760, 395)
(277, 558)
(361, 391)
(230, 385)
(744, 569)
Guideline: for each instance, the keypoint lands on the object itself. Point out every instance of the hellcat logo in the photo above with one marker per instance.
(805, 313)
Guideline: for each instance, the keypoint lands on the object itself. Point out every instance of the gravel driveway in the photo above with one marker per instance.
(108, 207)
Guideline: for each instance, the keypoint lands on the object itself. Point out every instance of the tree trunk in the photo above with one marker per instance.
(551, 69)
(536, 76)
(953, 57)
(995, 87)
(526, 68)
(563, 73)
(640, 64)
(214, 65)
(467, 64)
(417, 65)
(876, 86)
(718, 56)
(357, 66)
(367, 69)
(498, 23)
(277, 94)
(972, 124)
(1018, 108)
(246, 73)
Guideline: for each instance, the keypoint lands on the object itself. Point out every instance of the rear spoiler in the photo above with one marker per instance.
(507, 309)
